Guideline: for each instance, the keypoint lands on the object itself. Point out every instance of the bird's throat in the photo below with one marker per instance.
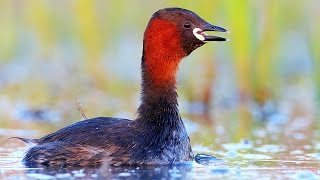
(158, 94)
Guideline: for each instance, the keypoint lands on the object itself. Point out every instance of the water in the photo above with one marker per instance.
(257, 157)
(249, 166)
(273, 141)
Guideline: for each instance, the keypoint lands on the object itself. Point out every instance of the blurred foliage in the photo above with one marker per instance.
(53, 52)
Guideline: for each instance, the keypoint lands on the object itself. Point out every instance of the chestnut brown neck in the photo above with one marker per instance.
(162, 54)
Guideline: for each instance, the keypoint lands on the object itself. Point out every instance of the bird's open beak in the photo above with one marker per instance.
(199, 32)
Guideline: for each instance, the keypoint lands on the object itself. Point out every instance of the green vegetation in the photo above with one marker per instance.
(54, 52)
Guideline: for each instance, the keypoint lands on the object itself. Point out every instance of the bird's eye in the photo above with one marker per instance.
(187, 25)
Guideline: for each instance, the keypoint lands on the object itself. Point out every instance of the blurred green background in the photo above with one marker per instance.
(54, 54)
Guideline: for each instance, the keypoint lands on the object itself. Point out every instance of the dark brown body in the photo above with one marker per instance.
(158, 135)
(112, 141)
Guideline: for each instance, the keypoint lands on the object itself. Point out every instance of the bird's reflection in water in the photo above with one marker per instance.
(178, 171)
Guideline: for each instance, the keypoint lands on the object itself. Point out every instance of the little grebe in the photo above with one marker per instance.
(158, 135)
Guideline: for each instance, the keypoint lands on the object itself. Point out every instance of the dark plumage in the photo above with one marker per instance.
(158, 135)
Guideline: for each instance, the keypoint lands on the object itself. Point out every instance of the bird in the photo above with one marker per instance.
(157, 136)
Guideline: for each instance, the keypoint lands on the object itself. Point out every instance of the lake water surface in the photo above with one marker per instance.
(266, 155)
